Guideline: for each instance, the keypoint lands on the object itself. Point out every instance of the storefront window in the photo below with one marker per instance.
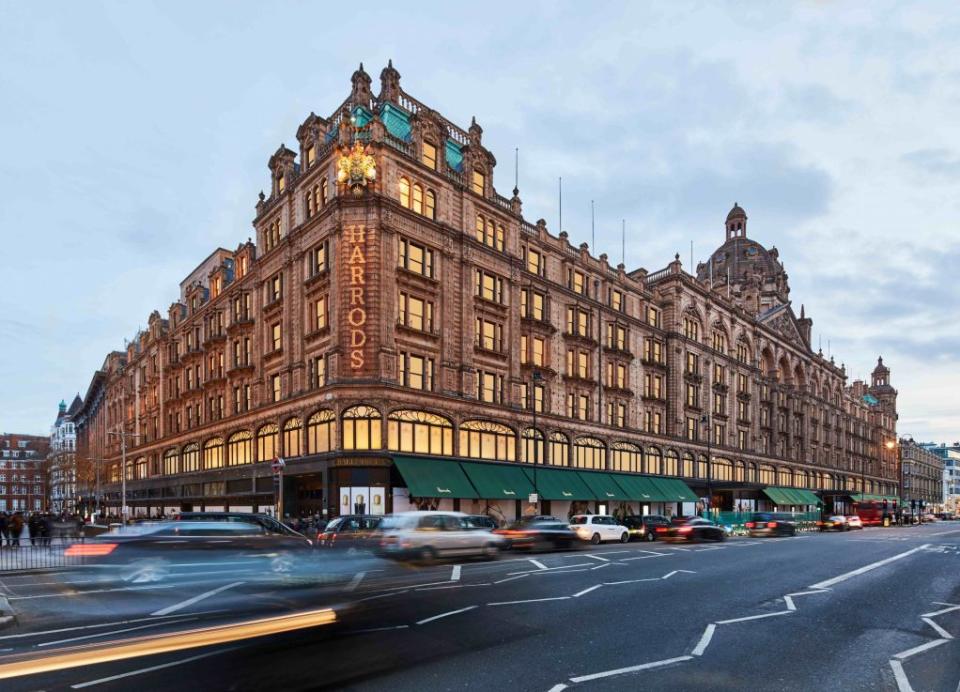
(651, 460)
(171, 462)
(240, 448)
(213, 453)
(671, 463)
(533, 450)
(480, 439)
(362, 428)
(191, 457)
(267, 442)
(559, 449)
(589, 453)
(626, 457)
(291, 438)
(321, 429)
(722, 470)
(419, 432)
(767, 475)
(687, 469)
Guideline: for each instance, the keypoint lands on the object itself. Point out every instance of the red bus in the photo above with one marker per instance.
(872, 512)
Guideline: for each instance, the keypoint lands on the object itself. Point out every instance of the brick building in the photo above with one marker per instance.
(922, 476)
(22, 479)
(402, 336)
(62, 459)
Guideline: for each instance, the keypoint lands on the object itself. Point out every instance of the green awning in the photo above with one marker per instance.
(498, 481)
(859, 497)
(638, 488)
(603, 486)
(434, 478)
(791, 496)
(806, 497)
(557, 484)
(673, 490)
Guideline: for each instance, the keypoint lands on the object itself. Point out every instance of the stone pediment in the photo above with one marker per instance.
(781, 319)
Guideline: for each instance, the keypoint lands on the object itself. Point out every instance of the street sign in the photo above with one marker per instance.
(533, 498)
(278, 465)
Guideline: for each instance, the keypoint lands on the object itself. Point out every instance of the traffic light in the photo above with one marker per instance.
(913, 504)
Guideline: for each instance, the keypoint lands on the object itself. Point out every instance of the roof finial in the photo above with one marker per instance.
(389, 62)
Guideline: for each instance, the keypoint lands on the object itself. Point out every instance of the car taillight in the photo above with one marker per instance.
(750, 525)
(661, 529)
(685, 529)
(89, 549)
(771, 524)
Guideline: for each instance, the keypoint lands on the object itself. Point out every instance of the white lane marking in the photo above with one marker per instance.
(453, 586)
(557, 688)
(530, 600)
(355, 582)
(90, 627)
(946, 604)
(708, 547)
(903, 684)
(676, 571)
(597, 557)
(827, 583)
(84, 593)
(805, 593)
(753, 617)
(379, 629)
(455, 573)
(382, 595)
(630, 669)
(151, 669)
(616, 552)
(630, 581)
(645, 557)
(789, 602)
(544, 568)
(196, 599)
(538, 564)
(704, 640)
(107, 634)
(519, 576)
(606, 564)
(671, 547)
(919, 649)
(944, 533)
(942, 632)
(587, 590)
(445, 615)
(941, 612)
(416, 586)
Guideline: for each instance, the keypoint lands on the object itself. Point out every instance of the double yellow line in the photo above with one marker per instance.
(165, 643)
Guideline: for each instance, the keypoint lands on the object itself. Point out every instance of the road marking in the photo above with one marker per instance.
(708, 547)
(126, 629)
(919, 649)
(941, 612)
(519, 576)
(455, 573)
(944, 533)
(676, 571)
(453, 586)
(531, 600)
(630, 581)
(587, 590)
(544, 568)
(704, 640)
(631, 669)
(942, 632)
(151, 669)
(84, 593)
(616, 552)
(753, 617)
(903, 684)
(355, 582)
(789, 602)
(606, 564)
(826, 584)
(382, 595)
(539, 565)
(379, 629)
(196, 599)
(597, 557)
(445, 615)
(557, 688)
(103, 624)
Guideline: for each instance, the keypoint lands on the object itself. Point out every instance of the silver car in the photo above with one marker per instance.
(427, 536)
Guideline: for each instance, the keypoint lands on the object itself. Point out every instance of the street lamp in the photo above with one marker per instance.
(705, 420)
(123, 435)
(537, 379)
(898, 445)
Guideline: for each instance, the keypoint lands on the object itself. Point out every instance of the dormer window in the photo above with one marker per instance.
(216, 286)
(479, 182)
(281, 182)
(429, 157)
(241, 266)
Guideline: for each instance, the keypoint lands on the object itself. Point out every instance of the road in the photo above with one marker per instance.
(867, 610)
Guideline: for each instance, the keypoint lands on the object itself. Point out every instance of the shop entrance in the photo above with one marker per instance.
(303, 495)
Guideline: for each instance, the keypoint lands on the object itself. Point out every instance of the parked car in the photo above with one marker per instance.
(645, 527)
(771, 524)
(351, 531)
(265, 520)
(599, 527)
(543, 534)
(691, 529)
(854, 522)
(837, 522)
(427, 536)
(482, 521)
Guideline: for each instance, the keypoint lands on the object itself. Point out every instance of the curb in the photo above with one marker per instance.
(8, 616)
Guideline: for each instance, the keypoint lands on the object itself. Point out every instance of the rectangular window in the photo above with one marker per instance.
(416, 258)
(489, 387)
(534, 262)
(319, 371)
(719, 402)
(742, 439)
(539, 349)
(415, 313)
(489, 335)
(320, 313)
(275, 288)
(531, 304)
(653, 317)
(583, 407)
(693, 363)
(318, 259)
(276, 337)
(616, 300)
(415, 371)
(691, 428)
(693, 395)
(576, 281)
(489, 287)
(478, 182)
(275, 387)
(429, 156)
(719, 374)
(719, 434)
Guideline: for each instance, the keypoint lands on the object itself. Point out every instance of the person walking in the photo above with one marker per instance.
(16, 528)
(4, 525)
(33, 527)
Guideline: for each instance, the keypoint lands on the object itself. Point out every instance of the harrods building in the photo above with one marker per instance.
(404, 338)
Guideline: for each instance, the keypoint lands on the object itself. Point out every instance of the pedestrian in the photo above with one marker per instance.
(4, 522)
(16, 528)
(46, 529)
(33, 527)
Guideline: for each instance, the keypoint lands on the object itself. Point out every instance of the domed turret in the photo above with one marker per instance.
(736, 222)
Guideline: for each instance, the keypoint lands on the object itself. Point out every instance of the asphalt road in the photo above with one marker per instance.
(868, 610)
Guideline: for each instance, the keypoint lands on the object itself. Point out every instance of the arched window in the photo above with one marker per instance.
(213, 453)
(701, 466)
(171, 462)
(671, 463)
(785, 477)
(738, 472)
(240, 448)
(559, 449)
(137, 470)
(589, 453)
(310, 208)
(321, 432)
(324, 197)
(800, 479)
(532, 450)
(419, 432)
(417, 198)
(482, 439)
(687, 469)
(292, 445)
(722, 470)
(626, 457)
(752, 474)
(404, 193)
(651, 460)
(768, 476)
(191, 457)
(430, 205)
(267, 442)
(362, 428)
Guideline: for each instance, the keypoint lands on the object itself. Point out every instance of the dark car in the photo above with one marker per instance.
(352, 531)
(691, 529)
(542, 534)
(645, 527)
(157, 551)
(481, 521)
(771, 524)
(837, 522)
(264, 520)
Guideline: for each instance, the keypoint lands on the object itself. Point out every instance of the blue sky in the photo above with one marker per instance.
(134, 139)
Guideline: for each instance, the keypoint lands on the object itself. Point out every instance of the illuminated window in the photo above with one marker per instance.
(291, 438)
(416, 258)
(415, 313)
(281, 182)
(691, 328)
(415, 371)
(583, 407)
(692, 428)
(535, 263)
(321, 432)
(693, 363)
(625, 457)
(479, 182)
(240, 448)
(419, 432)
(320, 313)
(559, 449)
(171, 462)
(671, 463)
(575, 281)
(589, 453)
(323, 193)
(429, 157)
(489, 335)
(616, 300)
(532, 450)
(430, 204)
(743, 352)
(489, 386)
(489, 287)
(719, 341)
(311, 154)
(531, 304)
(362, 428)
(276, 337)
(213, 453)
(271, 235)
(616, 336)
(538, 353)
(276, 388)
(309, 197)
(267, 442)
(318, 259)
(404, 193)
(480, 439)
(318, 371)
(653, 317)
(652, 458)
(417, 198)
(275, 288)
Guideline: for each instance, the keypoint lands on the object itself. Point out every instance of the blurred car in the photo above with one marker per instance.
(482, 521)
(645, 527)
(427, 536)
(151, 552)
(265, 520)
(691, 529)
(854, 522)
(350, 532)
(770, 524)
(837, 522)
(929, 517)
(597, 528)
(543, 534)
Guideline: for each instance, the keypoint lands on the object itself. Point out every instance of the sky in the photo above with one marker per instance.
(134, 138)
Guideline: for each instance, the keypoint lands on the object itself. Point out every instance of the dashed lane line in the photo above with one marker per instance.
(445, 615)
(827, 583)
(109, 632)
(519, 576)
(151, 669)
(455, 573)
(355, 582)
(597, 557)
(196, 599)
(630, 669)
(753, 617)
(529, 600)
(704, 640)
(538, 564)
(587, 590)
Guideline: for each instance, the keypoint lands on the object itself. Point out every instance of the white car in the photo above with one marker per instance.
(426, 536)
(597, 528)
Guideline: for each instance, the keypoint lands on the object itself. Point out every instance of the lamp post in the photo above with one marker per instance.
(123, 435)
(537, 379)
(898, 445)
(705, 420)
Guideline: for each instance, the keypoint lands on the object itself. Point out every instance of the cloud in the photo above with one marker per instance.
(940, 163)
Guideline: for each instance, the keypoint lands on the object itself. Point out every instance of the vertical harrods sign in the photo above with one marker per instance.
(358, 283)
